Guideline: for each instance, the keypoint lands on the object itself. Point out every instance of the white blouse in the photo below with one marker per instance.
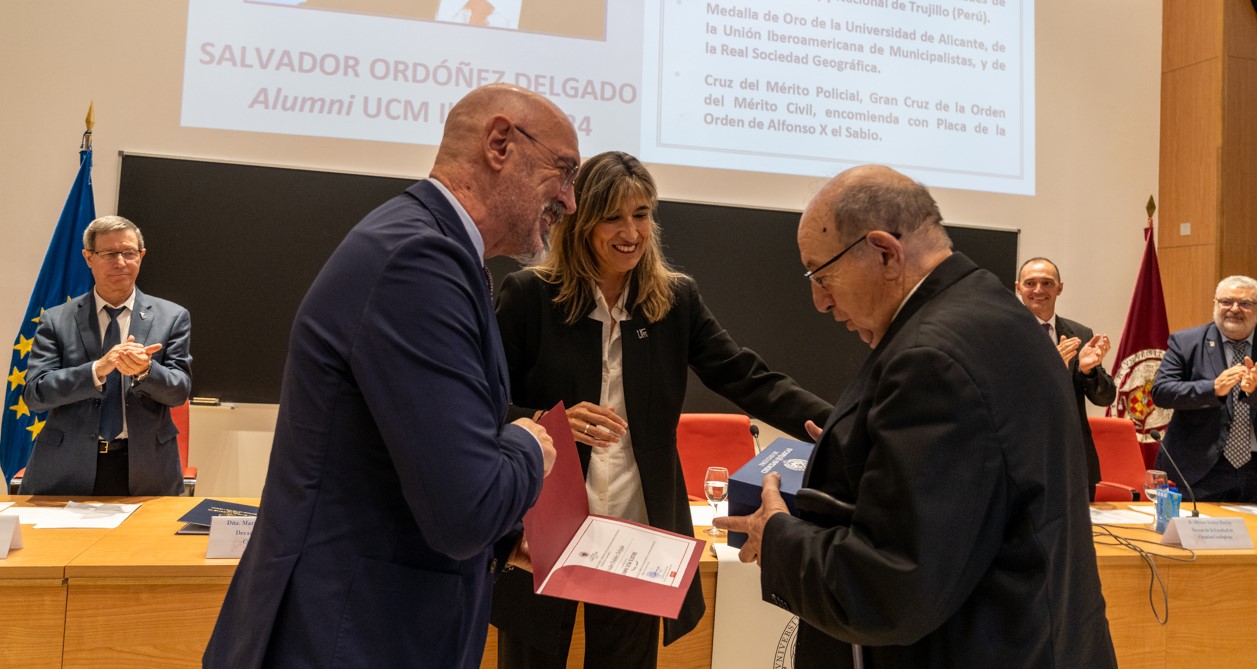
(614, 484)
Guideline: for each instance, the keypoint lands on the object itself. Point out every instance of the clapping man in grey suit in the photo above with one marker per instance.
(107, 366)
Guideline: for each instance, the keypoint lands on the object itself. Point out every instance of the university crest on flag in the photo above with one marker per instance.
(1134, 377)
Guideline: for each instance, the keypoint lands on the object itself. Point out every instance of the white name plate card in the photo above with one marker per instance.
(10, 535)
(229, 535)
(1208, 533)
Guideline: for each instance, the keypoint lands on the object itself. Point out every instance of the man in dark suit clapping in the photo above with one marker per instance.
(1038, 285)
(1208, 378)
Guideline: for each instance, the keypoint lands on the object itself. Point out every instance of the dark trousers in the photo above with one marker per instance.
(111, 473)
(614, 639)
(1225, 483)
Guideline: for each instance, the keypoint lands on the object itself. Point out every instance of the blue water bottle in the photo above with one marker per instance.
(1167, 507)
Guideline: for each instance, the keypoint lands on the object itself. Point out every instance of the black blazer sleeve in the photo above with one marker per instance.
(739, 375)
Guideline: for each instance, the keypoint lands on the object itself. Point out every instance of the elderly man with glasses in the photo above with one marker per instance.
(108, 366)
(943, 520)
(1207, 377)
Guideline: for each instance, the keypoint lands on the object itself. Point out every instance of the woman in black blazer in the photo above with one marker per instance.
(604, 324)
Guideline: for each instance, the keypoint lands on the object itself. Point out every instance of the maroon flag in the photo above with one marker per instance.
(1143, 344)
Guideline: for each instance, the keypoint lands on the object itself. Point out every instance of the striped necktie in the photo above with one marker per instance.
(111, 401)
(1239, 436)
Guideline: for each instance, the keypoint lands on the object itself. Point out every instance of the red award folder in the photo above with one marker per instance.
(599, 559)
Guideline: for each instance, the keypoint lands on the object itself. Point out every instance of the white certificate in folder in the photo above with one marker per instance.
(598, 559)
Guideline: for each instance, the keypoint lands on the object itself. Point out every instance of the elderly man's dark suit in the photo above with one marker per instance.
(1201, 420)
(392, 473)
(60, 381)
(969, 540)
(1097, 387)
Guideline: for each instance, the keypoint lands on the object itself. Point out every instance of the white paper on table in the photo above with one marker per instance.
(1117, 517)
(10, 535)
(1151, 510)
(703, 515)
(1241, 508)
(89, 515)
(5, 505)
(610, 545)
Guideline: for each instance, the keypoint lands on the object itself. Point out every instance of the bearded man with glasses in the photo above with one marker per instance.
(1207, 377)
(108, 366)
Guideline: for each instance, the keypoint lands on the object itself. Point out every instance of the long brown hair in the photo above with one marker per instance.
(603, 184)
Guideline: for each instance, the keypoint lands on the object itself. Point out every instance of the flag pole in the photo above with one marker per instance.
(1141, 348)
(90, 121)
(62, 276)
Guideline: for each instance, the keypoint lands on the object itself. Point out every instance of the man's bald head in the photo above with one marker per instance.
(866, 239)
(469, 118)
(506, 156)
(873, 197)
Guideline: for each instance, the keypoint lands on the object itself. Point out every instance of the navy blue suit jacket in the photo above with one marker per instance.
(392, 472)
(1201, 419)
(60, 381)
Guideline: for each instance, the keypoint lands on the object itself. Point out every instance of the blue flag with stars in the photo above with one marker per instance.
(64, 275)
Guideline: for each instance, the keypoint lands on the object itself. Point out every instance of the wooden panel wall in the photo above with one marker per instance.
(1208, 211)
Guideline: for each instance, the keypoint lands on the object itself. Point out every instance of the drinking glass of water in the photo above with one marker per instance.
(1154, 480)
(716, 486)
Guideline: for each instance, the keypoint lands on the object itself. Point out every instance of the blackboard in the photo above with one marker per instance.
(238, 245)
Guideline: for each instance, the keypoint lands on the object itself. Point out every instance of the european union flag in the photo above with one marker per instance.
(63, 276)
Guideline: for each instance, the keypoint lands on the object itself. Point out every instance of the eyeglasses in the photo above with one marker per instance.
(565, 166)
(1246, 305)
(812, 273)
(128, 255)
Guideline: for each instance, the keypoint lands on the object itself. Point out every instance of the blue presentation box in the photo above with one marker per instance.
(788, 458)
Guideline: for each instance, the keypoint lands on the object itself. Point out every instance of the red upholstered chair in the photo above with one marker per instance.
(1121, 459)
(179, 415)
(712, 440)
(1150, 450)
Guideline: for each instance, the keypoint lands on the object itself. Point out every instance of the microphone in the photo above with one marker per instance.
(755, 436)
(1156, 436)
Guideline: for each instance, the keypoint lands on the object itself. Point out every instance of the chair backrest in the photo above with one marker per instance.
(179, 415)
(1117, 445)
(712, 440)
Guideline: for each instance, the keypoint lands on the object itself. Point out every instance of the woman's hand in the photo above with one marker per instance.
(596, 425)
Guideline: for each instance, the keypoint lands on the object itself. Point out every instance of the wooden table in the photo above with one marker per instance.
(134, 596)
(143, 596)
(140, 596)
(1212, 601)
(33, 594)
